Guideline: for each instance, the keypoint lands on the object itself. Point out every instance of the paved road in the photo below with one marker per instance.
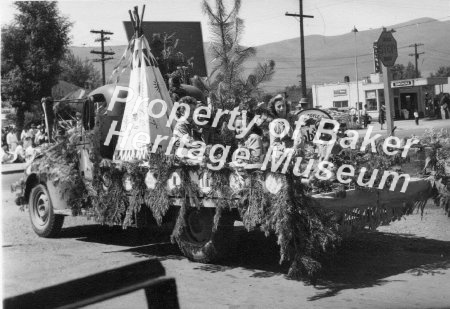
(407, 265)
(406, 128)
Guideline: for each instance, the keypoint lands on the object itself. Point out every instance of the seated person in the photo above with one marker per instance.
(5, 155)
(18, 156)
(40, 137)
(29, 150)
(184, 129)
(252, 140)
(203, 132)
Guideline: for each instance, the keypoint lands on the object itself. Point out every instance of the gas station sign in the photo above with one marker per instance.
(402, 83)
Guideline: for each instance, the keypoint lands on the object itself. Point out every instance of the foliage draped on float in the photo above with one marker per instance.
(303, 232)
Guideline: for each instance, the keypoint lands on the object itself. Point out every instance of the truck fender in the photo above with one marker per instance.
(58, 201)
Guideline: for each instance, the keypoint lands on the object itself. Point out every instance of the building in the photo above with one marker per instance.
(443, 88)
(409, 94)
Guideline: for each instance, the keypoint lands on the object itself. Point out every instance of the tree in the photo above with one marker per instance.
(228, 87)
(398, 71)
(410, 71)
(79, 72)
(32, 48)
(442, 72)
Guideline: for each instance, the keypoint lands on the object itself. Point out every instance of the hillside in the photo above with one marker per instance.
(329, 59)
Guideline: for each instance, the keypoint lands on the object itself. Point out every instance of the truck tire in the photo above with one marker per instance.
(43, 220)
(200, 243)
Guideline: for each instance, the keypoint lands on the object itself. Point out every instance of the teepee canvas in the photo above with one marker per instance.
(146, 85)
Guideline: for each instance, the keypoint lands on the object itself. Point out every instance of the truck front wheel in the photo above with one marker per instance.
(199, 242)
(43, 220)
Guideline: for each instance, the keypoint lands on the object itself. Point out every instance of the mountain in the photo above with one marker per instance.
(330, 58)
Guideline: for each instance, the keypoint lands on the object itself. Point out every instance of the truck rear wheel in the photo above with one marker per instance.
(43, 220)
(199, 242)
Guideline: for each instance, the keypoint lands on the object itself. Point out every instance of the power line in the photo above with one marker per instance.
(437, 51)
(287, 59)
(313, 66)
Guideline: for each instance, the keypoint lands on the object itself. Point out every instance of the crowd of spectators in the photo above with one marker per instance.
(19, 147)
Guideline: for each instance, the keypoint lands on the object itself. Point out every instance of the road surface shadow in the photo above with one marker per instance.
(364, 260)
(367, 259)
(150, 242)
(255, 252)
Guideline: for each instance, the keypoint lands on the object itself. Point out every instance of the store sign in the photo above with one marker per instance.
(340, 92)
(371, 95)
(402, 83)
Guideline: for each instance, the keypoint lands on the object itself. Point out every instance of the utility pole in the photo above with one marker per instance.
(354, 30)
(302, 45)
(416, 56)
(102, 40)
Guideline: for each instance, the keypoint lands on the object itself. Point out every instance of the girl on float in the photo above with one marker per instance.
(282, 128)
(265, 118)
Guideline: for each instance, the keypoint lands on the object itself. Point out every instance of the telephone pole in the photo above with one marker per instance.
(102, 40)
(416, 56)
(302, 45)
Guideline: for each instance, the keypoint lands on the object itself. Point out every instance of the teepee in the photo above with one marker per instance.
(146, 84)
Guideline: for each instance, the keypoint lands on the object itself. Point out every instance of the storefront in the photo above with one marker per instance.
(409, 95)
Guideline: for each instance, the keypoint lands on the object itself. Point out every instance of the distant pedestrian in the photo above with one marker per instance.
(444, 103)
(382, 116)
(11, 140)
(26, 132)
(365, 117)
(5, 132)
(416, 117)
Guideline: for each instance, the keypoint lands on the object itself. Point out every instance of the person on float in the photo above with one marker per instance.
(283, 137)
(263, 122)
(184, 129)
(203, 132)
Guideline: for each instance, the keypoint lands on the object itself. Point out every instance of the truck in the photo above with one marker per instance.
(80, 175)
(200, 236)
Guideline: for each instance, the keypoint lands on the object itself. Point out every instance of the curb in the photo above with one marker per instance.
(12, 172)
(13, 168)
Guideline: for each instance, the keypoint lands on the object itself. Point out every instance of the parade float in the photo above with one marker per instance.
(95, 171)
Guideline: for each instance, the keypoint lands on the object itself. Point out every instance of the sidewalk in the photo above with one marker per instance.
(407, 127)
(11, 168)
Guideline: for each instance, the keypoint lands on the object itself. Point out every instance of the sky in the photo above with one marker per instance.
(265, 20)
